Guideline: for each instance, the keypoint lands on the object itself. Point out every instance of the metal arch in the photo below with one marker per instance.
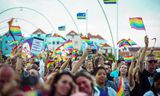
(69, 14)
(107, 22)
(53, 28)
(22, 20)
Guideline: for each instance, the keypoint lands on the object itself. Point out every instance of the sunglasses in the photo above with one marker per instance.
(152, 61)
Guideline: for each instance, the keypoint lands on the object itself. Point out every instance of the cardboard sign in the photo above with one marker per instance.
(37, 46)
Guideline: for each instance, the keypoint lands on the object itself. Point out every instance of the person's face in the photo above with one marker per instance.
(6, 76)
(151, 64)
(64, 85)
(101, 76)
(89, 66)
(84, 84)
(108, 69)
(123, 69)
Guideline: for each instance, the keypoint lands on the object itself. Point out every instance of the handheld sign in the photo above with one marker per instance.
(37, 46)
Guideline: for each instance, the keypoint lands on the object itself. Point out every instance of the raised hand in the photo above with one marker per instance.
(146, 41)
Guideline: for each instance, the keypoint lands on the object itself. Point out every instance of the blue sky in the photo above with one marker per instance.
(149, 10)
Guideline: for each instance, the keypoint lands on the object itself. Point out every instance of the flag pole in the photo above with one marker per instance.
(10, 24)
(87, 22)
(108, 24)
(117, 32)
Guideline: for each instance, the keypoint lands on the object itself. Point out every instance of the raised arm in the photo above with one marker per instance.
(77, 66)
(64, 65)
(131, 76)
(142, 56)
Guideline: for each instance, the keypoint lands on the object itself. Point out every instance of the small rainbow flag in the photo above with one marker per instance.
(68, 45)
(122, 40)
(137, 23)
(131, 42)
(128, 58)
(14, 43)
(16, 30)
(123, 43)
(73, 58)
(89, 42)
(58, 51)
(120, 91)
(53, 53)
(59, 58)
(74, 51)
(13, 51)
(50, 64)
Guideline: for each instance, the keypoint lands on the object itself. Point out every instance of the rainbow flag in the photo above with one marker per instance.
(58, 51)
(68, 45)
(120, 91)
(59, 58)
(89, 42)
(123, 43)
(16, 30)
(50, 64)
(14, 43)
(53, 53)
(128, 58)
(110, 1)
(137, 23)
(74, 51)
(33, 93)
(131, 42)
(74, 54)
(73, 58)
(13, 51)
(120, 41)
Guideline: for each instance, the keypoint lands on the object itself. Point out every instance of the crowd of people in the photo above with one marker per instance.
(93, 76)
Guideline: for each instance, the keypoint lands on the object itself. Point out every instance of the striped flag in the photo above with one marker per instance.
(13, 51)
(110, 1)
(123, 43)
(137, 23)
(58, 51)
(68, 45)
(120, 91)
(81, 15)
(87, 40)
(14, 43)
(50, 64)
(53, 53)
(62, 28)
(16, 30)
(131, 42)
(128, 58)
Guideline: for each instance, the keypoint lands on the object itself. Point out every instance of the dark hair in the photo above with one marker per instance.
(109, 64)
(55, 80)
(99, 68)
